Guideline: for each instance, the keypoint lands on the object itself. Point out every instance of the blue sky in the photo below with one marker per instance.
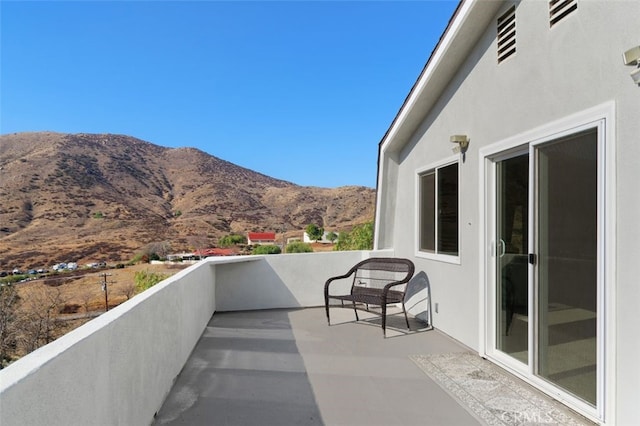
(298, 90)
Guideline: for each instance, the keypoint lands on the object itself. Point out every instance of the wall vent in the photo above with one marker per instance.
(559, 9)
(507, 34)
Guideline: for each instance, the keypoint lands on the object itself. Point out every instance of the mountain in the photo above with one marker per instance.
(101, 197)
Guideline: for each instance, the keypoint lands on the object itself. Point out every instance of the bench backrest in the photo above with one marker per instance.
(376, 272)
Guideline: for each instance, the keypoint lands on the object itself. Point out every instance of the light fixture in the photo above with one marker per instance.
(632, 57)
(462, 141)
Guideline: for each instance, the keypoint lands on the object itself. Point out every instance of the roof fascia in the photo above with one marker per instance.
(467, 24)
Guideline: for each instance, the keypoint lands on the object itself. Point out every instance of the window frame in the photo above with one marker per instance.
(420, 172)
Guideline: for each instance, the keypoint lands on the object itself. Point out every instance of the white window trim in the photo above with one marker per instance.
(603, 117)
(446, 258)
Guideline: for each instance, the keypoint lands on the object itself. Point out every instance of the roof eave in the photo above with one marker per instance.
(467, 24)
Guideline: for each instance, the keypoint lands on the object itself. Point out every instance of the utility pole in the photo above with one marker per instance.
(104, 276)
(284, 242)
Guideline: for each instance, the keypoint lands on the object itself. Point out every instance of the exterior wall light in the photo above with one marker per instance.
(632, 57)
(462, 141)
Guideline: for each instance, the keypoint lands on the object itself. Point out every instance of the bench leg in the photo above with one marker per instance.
(326, 307)
(355, 311)
(405, 316)
(384, 319)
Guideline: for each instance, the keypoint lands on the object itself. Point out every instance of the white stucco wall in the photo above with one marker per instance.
(281, 281)
(116, 369)
(557, 72)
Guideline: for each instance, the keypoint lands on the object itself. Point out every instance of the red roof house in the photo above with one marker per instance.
(257, 238)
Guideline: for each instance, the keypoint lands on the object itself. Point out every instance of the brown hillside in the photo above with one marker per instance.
(89, 197)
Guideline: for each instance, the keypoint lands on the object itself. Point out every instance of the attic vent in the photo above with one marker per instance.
(559, 9)
(507, 34)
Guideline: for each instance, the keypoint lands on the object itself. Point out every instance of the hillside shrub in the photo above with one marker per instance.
(332, 236)
(298, 247)
(231, 240)
(10, 279)
(314, 232)
(360, 238)
(9, 323)
(266, 249)
(147, 279)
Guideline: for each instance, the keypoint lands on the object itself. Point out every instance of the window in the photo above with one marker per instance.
(438, 206)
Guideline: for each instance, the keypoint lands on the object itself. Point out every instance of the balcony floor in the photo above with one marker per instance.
(287, 367)
(283, 367)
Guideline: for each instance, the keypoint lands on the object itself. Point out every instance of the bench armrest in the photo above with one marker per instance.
(393, 284)
(386, 288)
(339, 277)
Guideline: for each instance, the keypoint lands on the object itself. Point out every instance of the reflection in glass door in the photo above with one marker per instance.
(512, 286)
(567, 246)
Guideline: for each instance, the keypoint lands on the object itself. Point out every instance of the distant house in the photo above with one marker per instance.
(258, 238)
(323, 240)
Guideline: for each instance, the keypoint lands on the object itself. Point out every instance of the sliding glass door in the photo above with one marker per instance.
(512, 246)
(567, 267)
(544, 217)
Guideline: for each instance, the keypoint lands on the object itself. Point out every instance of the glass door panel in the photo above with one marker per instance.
(567, 246)
(512, 286)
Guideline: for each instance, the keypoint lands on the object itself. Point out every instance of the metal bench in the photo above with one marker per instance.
(378, 281)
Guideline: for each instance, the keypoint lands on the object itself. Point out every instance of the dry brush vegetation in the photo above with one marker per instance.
(37, 312)
(89, 198)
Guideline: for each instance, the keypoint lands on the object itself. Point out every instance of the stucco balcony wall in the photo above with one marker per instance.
(118, 368)
(282, 281)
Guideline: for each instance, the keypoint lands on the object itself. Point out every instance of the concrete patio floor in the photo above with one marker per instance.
(287, 367)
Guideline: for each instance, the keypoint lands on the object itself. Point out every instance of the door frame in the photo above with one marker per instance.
(603, 118)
